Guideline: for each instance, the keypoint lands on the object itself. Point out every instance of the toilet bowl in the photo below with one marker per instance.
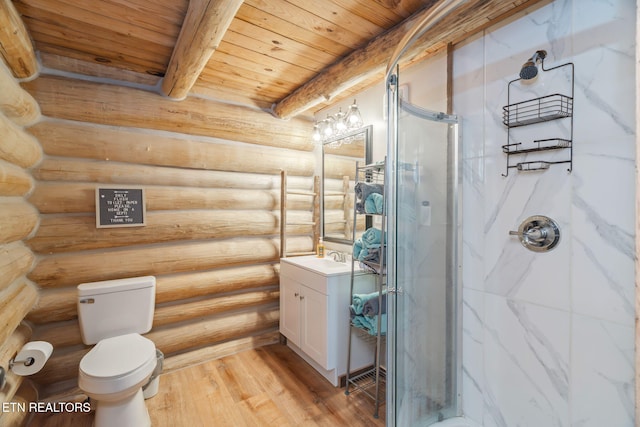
(112, 315)
(113, 374)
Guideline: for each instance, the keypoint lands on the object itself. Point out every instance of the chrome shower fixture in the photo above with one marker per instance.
(530, 68)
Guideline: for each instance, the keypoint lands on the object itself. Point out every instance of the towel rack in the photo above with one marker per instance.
(315, 223)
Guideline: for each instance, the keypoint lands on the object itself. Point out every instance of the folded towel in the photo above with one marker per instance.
(371, 238)
(371, 307)
(363, 189)
(359, 300)
(373, 204)
(370, 324)
(367, 247)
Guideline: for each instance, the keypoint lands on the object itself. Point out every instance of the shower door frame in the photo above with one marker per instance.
(454, 255)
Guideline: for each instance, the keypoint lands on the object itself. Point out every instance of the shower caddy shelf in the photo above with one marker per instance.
(534, 111)
(370, 382)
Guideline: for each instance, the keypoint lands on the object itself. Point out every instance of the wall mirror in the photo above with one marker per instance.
(339, 158)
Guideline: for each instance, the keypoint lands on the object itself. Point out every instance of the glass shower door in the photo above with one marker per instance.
(422, 281)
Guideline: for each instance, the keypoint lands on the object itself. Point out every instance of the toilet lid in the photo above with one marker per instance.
(118, 356)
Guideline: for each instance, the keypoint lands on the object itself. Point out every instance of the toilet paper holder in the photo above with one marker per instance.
(31, 358)
(26, 362)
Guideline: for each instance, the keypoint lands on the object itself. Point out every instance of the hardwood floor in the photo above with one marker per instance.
(268, 386)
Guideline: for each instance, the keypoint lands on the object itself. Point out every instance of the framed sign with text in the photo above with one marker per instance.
(120, 207)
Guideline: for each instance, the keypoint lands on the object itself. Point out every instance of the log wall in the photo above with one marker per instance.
(19, 151)
(211, 174)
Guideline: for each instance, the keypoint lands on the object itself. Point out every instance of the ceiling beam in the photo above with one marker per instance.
(366, 62)
(15, 44)
(203, 28)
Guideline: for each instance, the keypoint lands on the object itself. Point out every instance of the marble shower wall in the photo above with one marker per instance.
(548, 338)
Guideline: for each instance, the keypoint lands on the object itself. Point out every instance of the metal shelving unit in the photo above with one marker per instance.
(533, 111)
(371, 381)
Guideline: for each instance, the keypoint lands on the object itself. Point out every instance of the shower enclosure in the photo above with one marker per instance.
(422, 277)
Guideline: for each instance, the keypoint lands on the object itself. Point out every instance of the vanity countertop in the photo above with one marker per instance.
(325, 266)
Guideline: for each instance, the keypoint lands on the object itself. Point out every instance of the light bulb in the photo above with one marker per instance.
(317, 136)
(354, 119)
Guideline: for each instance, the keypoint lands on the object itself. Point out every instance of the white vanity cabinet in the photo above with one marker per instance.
(314, 314)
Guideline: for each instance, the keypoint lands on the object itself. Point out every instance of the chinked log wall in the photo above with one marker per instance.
(18, 219)
(211, 175)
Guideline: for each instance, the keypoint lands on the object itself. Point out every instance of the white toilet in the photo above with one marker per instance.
(112, 315)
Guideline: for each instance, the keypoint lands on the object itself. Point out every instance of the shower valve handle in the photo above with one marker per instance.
(538, 233)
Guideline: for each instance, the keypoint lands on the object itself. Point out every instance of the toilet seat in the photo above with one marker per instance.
(117, 363)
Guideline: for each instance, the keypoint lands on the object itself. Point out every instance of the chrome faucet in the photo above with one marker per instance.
(337, 256)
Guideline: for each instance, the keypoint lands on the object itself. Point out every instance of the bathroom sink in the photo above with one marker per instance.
(325, 266)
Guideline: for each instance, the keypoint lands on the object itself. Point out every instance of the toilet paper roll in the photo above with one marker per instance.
(31, 358)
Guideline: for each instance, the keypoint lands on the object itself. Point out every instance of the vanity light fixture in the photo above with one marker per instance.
(338, 124)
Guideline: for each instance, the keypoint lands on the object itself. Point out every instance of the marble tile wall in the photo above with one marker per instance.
(548, 338)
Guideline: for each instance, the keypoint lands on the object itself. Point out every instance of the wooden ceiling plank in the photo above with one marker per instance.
(163, 12)
(245, 84)
(224, 73)
(362, 63)
(372, 11)
(310, 22)
(269, 49)
(53, 11)
(341, 17)
(15, 44)
(97, 52)
(95, 38)
(279, 43)
(284, 28)
(246, 59)
(248, 89)
(201, 33)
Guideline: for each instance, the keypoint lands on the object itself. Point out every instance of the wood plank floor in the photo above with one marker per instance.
(268, 386)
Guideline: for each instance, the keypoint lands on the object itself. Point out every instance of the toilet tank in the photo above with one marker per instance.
(116, 307)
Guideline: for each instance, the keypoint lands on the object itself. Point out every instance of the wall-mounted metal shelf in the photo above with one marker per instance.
(538, 145)
(538, 110)
(533, 111)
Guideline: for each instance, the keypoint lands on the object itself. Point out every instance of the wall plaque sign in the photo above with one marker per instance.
(120, 207)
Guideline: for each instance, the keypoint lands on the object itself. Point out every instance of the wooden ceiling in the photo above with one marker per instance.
(289, 56)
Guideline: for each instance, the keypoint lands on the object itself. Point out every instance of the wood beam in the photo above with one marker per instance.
(202, 30)
(110, 104)
(366, 62)
(15, 45)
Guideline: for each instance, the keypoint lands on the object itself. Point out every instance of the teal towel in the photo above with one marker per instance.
(359, 251)
(371, 238)
(366, 244)
(373, 203)
(359, 300)
(370, 324)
